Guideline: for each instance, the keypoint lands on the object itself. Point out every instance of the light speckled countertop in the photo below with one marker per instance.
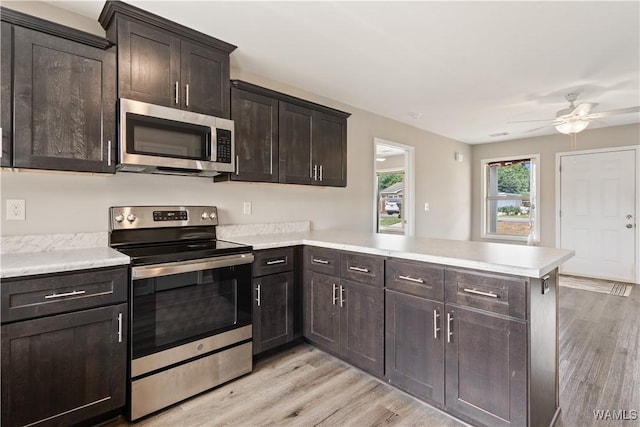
(528, 261)
(27, 264)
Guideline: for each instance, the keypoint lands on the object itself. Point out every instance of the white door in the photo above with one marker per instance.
(597, 214)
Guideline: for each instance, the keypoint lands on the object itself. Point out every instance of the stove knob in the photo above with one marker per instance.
(131, 218)
(204, 215)
(119, 218)
(212, 215)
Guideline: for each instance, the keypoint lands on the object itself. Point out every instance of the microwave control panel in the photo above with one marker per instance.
(223, 145)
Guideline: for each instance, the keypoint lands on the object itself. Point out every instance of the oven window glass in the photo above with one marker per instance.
(176, 309)
(167, 138)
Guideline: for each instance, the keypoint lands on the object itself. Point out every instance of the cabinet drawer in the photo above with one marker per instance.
(322, 260)
(272, 261)
(368, 269)
(57, 293)
(499, 294)
(415, 278)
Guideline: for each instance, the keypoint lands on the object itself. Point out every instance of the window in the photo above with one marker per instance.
(510, 198)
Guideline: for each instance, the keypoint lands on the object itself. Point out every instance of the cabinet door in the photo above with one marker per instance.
(295, 144)
(329, 150)
(6, 108)
(65, 368)
(204, 79)
(486, 367)
(64, 104)
(362, 325)
(256, 136)
(273, 311)
(148, 64)
(414, 345)
(322, 321)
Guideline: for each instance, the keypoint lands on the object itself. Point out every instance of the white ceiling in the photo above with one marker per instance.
(464, 69)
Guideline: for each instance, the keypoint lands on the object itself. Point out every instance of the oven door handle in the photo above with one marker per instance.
(166, 269)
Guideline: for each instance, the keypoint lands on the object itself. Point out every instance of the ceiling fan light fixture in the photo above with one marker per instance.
(572, 125)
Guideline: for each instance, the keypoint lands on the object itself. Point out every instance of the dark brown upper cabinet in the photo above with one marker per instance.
(6, 89)
(281, 138)
(165, 63)
(58, 97)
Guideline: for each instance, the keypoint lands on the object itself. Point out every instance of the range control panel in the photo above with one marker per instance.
(135, 217)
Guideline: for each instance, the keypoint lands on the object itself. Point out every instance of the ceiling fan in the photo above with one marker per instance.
(576, 118)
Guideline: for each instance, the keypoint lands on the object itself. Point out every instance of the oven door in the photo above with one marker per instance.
(180, 302)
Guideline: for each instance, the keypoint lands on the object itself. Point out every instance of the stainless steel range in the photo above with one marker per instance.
(189, 303)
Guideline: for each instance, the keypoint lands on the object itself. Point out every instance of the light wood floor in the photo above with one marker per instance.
(599, 369)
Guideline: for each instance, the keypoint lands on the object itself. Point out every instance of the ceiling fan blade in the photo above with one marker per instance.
(583, 109)
(529, 121)
(615, 112)
(534, 129)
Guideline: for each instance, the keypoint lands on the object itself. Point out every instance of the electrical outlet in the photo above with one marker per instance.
(246, 208)
(16, 209)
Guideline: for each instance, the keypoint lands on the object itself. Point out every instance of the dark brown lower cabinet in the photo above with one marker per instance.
(414, 345)
(486, 367)
(273, 311)
(347, 319)
(322, 321)
(64, 369)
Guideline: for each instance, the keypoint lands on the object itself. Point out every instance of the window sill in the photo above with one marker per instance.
(505, 237)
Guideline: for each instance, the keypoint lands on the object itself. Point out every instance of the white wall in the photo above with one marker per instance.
(547, 147)
(62, 202)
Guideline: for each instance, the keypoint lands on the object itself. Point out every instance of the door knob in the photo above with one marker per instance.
(629, 225)
(629, 216)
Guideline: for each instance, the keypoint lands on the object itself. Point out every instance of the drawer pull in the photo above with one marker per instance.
(449, 327)
(436, 329)
(411, 279)
(335, 294)
(276, 261)
(359, 269)
(320, 261)
(342, 300)
(484, 294)
(63, 295)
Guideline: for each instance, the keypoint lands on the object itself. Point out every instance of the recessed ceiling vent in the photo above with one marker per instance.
(495, 135)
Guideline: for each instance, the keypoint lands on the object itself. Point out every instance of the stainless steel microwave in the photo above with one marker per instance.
(157, 139)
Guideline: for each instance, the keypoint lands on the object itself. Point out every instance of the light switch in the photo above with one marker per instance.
(426, 206)
(246, 208)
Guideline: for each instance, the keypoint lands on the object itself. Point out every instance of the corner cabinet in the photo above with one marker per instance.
(63, 346)
(164, 63)
(344, 306)
(61, 96)
(280, 138)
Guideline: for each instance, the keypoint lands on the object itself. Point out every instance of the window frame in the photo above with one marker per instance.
(535, 175)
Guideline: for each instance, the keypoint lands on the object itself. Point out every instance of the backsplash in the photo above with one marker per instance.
(231, 231)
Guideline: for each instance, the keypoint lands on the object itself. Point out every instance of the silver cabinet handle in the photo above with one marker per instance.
(411, 279)
(109, 153)
(237, 165)
(342, 300)
(334, 295)
(484, 294)
(320, 261)
(320, 172)
(63, 295)
(186, 98)
(258, 295)
(359, 269)
(449, 327)
(436, 329)
(177, 93)
(315, 172)
(276, 261)
(119, 327)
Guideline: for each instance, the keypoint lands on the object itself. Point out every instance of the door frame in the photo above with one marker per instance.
(558, 176)
(409, 185)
